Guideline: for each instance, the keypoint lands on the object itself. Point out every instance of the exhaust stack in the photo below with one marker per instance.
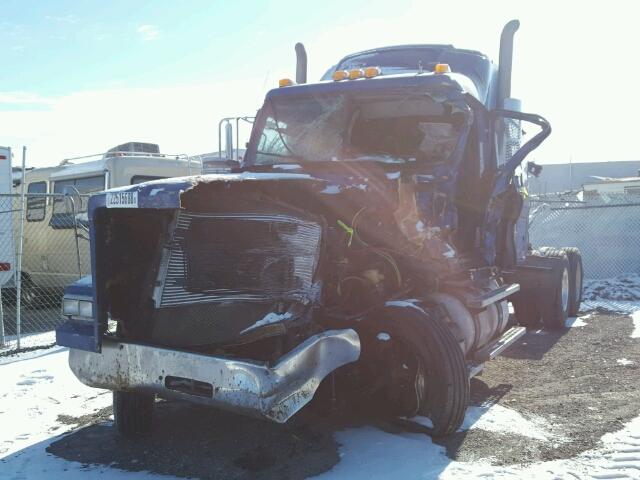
(505, 61)
(301, 64)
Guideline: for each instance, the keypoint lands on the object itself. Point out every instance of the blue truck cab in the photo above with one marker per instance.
(366, 247)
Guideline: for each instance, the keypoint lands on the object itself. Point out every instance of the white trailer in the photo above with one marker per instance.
(7, 248)
(52, 257)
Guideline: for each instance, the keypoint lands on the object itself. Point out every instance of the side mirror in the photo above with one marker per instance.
(534, 169)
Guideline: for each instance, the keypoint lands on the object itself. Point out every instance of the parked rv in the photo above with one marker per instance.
(57, 198)
(7, 251)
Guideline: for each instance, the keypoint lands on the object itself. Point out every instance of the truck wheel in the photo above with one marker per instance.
(28, 292)
(29, 295)
(133, 413)
(576, 277)
(555, 308)
(426, 368)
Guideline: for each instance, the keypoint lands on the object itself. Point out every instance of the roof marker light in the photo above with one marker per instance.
(285, 82)
(340, 75)
(356, 73)
(442, 68)
(371, 72)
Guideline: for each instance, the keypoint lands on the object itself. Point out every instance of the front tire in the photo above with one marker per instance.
(421, 343)
(133, 413)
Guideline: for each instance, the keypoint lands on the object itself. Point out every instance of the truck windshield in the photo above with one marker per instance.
(390, 128)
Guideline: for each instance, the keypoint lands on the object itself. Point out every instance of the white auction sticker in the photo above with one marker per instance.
(122, 199)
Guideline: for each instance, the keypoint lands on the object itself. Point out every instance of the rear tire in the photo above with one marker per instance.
(133, 413)
(555, 308)
(576, 278)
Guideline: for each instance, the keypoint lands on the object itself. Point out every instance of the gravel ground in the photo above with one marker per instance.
(571, 379)
(574, 383)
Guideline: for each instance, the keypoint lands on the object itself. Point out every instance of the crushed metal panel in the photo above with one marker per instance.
(242, 386)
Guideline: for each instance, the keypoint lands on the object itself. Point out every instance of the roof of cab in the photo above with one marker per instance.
(452, 84)
(422, 57)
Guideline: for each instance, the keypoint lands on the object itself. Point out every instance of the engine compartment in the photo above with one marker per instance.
(251, 269)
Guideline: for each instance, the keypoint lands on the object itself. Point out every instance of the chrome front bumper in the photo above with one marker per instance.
(243, 386)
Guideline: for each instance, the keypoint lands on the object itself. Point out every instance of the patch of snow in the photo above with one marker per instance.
(577, 321)
(624, 362)
(612, 306)
(383, 337)
(624, 288)
(270, 317)
(30, 340)
(450, 253)
(635, 318)
(36, 389)
(500, 419)
(497, 418)
(368, 453)
(287, 166)
(331, 189)
(402, 304)
(393, 175)
(620, 295)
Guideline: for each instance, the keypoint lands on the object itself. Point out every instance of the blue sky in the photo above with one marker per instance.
(80, 77)
(58, 47)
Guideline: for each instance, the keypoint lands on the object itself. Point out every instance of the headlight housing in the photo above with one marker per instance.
(76, 308)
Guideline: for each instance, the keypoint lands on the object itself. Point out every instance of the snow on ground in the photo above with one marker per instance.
(635, 317)
(41, 387)
(624, 362)
(502, 419)
(35, 391)
(29, 340)
(366, 453)
(573, 322)
(621, 288)
(620, 294)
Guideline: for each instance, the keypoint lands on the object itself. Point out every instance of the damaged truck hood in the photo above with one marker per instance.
(166, 193)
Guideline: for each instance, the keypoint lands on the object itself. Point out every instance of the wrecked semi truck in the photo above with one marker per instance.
(367, 246)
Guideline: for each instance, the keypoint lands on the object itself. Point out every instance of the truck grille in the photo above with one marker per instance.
(243, 257)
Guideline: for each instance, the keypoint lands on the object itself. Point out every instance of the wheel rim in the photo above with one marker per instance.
(565, 289)
(578, 282)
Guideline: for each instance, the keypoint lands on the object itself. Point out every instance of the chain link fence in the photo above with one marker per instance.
(606, 228)
(43, 247)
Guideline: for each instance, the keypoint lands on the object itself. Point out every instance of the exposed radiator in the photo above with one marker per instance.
(238, 257)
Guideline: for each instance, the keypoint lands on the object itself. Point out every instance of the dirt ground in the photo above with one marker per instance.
(572, 380)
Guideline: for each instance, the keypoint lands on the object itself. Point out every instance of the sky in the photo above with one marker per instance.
(78, 77)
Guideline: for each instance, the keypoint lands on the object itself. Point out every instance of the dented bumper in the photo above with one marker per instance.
(252, 388)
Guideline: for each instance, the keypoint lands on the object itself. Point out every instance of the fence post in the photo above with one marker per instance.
(1, 321)
(18, 272)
